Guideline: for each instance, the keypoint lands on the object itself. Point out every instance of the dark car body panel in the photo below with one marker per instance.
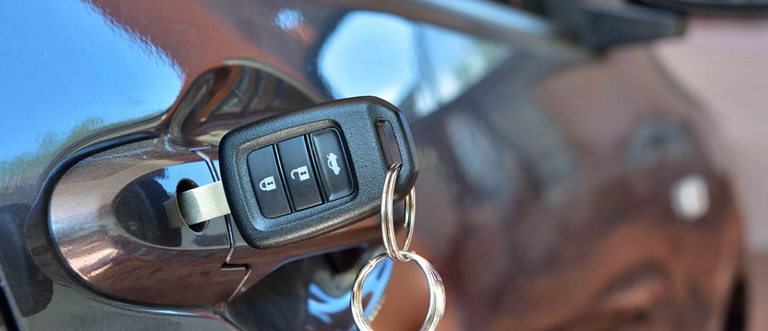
(545, 170)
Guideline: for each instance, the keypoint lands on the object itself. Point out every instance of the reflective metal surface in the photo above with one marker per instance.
(110, 221)
(555, 164)
(227, 96)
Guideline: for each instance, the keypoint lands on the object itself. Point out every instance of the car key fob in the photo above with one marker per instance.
(304, 173)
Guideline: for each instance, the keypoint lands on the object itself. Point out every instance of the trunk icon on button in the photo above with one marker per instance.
(332, 163)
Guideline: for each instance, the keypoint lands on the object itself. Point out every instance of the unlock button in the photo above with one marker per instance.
(299, 175)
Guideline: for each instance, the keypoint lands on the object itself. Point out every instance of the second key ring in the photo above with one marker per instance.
(387, 218)
(434, 282)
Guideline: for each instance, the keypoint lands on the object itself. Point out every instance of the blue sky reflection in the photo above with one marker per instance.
(65, 62)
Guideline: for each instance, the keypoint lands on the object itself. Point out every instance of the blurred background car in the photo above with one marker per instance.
(585, 165)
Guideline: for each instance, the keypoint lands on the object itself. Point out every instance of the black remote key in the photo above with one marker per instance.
(301, 174)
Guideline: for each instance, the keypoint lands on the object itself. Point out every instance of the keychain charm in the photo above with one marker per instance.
(394, 253)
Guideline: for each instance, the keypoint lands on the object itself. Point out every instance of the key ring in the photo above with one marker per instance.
(436, 292)
(393, 252)
(387, 222)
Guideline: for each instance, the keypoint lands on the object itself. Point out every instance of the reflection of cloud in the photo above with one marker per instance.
(288, 19)
(370, 54)
(291, 21)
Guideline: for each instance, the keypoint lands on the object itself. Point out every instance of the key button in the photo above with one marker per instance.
(265, 178)
(332, 163)
(297, 167)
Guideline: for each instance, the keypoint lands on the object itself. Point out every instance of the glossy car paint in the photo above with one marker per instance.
(544, 194)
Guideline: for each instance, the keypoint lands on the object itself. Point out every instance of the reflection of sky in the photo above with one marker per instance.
(494, 14)
(387, 56)
(370, 54)
(322, 305)
(63, 62)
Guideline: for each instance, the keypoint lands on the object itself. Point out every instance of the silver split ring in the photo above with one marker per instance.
(436, 292)
(387, 222)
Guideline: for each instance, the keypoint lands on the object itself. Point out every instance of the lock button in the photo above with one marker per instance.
(299, 173)
(267, 184)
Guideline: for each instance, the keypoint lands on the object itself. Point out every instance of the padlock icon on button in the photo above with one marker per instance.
(302, 172)
(267, 184)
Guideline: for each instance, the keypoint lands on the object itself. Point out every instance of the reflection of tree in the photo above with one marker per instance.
(431, 91)
(422, 94)
(486, 56)
(29, 163)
